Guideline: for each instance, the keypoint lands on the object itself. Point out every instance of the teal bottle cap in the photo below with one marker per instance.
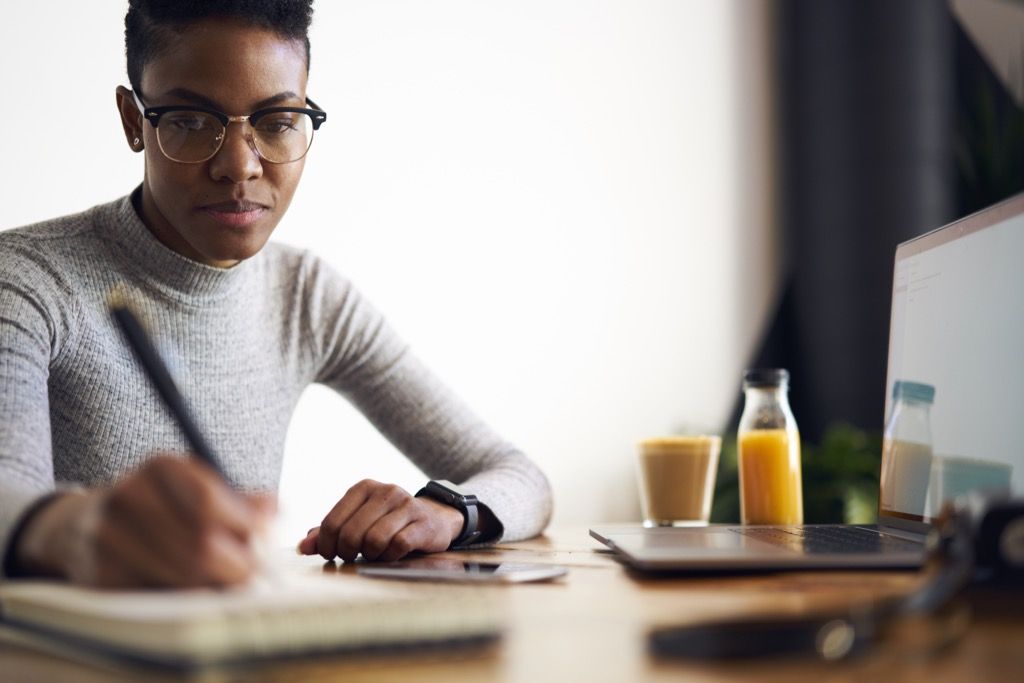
(913, 391)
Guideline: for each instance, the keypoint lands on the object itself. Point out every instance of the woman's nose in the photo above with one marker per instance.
(237, 159)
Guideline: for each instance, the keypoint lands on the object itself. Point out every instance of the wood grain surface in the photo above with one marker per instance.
(592, 626)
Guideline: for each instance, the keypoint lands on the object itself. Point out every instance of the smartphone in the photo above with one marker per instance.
(438, 569)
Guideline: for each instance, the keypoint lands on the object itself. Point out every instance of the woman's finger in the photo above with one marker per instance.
(384, 499)
(381, 533)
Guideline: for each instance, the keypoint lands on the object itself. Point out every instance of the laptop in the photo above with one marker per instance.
(957, 326)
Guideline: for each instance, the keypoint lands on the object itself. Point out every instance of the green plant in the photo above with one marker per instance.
(840, 478)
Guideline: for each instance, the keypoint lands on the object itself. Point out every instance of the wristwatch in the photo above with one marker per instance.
(449, 494)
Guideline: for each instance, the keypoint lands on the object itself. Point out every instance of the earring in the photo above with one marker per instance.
(135, 142)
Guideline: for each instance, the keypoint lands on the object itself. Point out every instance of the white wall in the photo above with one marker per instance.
(562, 204)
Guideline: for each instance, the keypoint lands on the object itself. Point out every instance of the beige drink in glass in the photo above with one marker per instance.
(677, 479)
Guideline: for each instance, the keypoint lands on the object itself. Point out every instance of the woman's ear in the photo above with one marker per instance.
(131, 118)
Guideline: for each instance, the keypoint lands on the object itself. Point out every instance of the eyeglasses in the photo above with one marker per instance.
(192, 134)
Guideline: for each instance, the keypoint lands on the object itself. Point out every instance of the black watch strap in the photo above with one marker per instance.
(449, 494)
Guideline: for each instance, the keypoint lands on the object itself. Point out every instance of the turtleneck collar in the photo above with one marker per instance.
(174, 275)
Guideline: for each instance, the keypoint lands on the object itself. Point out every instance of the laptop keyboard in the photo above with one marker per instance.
(830, 539)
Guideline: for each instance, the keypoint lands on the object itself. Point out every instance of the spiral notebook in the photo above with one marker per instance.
(296, 616)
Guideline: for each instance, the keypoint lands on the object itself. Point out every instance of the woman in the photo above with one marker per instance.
(218, 106)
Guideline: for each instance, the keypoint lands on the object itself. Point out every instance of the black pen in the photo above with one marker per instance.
(157, 371)
(161, 377)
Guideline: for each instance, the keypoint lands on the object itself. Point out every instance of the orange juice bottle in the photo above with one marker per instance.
(769, 452)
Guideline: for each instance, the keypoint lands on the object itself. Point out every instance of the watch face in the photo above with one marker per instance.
(454, 488)
(448, 493)
(452, 493)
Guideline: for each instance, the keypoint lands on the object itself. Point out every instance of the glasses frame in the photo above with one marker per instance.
(154, 114)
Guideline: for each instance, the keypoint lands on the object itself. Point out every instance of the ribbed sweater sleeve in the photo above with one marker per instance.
(28, 337)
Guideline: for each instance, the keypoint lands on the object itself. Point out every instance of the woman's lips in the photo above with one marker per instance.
(236, 214)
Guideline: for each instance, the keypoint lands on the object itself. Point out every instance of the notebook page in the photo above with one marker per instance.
(294, 613)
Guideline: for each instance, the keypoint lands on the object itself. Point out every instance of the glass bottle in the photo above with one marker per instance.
(771, 490)
(907, 449)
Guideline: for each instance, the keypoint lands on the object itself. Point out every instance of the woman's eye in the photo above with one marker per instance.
(277, 126)
(188, 123)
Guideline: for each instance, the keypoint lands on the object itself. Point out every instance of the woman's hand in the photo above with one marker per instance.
(173, 523)
(383, 522)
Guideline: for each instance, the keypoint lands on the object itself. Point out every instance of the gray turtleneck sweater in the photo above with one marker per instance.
(76, 408)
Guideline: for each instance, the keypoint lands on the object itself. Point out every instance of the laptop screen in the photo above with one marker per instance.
(954, 410)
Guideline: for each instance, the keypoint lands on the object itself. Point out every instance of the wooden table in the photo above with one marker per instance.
(592, 626)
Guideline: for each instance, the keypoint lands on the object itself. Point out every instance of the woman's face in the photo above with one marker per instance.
(220, 211)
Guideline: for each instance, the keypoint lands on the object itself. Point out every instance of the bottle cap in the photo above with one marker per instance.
(765, 377)
(913, 391)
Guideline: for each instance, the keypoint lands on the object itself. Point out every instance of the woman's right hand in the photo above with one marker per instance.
(173, 523)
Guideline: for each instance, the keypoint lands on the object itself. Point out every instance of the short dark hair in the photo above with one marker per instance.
(151, 25)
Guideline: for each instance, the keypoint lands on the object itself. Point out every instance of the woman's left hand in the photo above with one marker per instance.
(383, 522)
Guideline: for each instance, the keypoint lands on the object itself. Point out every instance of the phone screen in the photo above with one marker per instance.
(443, 569)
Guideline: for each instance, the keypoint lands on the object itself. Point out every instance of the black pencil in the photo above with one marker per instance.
(157, 371)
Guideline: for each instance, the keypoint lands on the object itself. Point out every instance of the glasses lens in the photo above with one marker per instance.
(283, 136)
(189, 136)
